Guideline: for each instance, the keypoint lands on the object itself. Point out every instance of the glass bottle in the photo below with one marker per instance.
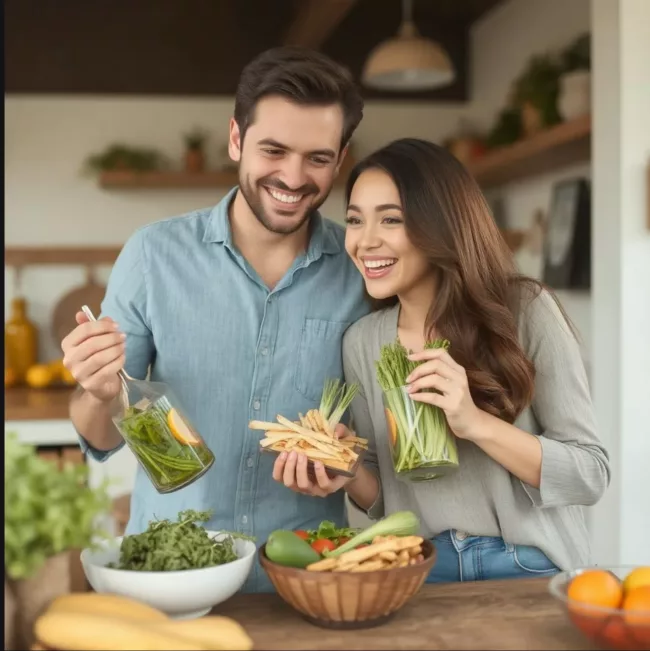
(21, 340)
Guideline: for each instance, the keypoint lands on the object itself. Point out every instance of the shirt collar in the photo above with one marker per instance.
(323, 238)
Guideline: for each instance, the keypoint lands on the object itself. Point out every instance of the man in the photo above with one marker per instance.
(240, 308)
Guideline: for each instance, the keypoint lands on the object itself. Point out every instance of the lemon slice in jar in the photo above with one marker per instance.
(392, 426)
(180, 430)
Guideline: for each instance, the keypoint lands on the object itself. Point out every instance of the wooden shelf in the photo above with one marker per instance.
(22, 256)
(171, 180)
(561, 145)
(24, 403)
(178, 180)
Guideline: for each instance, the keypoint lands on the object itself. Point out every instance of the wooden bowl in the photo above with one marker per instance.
(346, 600)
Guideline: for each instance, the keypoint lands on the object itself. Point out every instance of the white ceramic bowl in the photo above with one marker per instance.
(180, 594)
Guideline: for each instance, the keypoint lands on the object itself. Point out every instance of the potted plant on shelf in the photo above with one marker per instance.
(506, 130)
(195, 150)
(122, 157)
(49, 511)
(536, 91)
(575, 81)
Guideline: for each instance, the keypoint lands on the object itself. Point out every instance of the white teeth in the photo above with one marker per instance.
(285, 198)
(375, 264)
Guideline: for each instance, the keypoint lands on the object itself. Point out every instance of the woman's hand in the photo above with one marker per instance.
(440, 372)
(290, 469)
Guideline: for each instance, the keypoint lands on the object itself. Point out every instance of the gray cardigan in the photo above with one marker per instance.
(482, 497)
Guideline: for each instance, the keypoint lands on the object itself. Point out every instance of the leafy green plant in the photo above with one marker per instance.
(539, 86)
(507, 129)
(122, 157)
(171, 546)
(47, 510)
(195, 139)
(577, 56)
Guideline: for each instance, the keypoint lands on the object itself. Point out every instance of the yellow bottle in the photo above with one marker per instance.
(21, 340)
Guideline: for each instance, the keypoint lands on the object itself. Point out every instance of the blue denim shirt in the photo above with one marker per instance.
(232, 350)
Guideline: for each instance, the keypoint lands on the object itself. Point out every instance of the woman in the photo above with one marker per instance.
(512, 386)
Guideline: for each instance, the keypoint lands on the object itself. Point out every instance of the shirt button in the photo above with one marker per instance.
(249, 462)
(244, 519)
(257, 405)
(264, 351)
(461, 535)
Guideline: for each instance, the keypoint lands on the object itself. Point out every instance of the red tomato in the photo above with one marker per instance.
(322, 544)
(301, 533)
(342, 541)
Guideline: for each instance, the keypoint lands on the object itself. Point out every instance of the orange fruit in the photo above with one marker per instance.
(392, 426)
(615, 634)
(67, 377)
(56, 367)
(39, 376)
(636, 605)
(638, 577)
(180, 430)
(596, 588)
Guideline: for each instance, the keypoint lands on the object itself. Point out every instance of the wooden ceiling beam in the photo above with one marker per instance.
(315, 21)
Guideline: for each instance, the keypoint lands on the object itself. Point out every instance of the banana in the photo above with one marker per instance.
(95, 603)
(75, 631)
(211, 632)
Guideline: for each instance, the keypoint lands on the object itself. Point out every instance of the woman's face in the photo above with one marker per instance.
(376, 239)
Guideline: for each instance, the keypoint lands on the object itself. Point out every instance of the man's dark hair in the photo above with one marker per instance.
(303, 76)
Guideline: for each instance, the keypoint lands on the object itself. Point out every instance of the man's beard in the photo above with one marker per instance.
(253, 197)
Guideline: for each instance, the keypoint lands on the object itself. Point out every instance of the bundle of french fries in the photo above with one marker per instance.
(313, 436)
(385, 553)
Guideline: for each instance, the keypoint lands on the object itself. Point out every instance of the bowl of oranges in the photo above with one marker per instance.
(610, 606)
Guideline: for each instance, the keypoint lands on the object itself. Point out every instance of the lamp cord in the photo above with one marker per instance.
(407, 11)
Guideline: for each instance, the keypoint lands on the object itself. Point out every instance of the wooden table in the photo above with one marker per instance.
(509, 614)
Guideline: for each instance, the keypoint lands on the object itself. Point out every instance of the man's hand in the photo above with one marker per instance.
(94, 352)
(291, 470)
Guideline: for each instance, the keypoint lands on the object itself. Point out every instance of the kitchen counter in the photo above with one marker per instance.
(24, 403)
(509, 614)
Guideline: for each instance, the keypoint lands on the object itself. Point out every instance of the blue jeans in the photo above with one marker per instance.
(461, 557)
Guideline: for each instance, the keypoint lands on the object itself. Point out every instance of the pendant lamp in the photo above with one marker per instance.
(408, 62)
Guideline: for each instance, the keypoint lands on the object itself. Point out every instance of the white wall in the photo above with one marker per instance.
(621, 252)
(48, 202)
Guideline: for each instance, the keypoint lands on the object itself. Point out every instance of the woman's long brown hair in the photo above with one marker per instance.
(479, 293)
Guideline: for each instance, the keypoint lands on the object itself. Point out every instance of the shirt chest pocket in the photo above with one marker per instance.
(319, 356)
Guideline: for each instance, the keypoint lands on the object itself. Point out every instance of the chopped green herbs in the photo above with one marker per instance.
(170, 546)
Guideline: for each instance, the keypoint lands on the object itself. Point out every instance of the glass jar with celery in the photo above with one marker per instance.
(422, 445)
(163, 440)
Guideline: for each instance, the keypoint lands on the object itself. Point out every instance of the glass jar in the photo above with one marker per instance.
(422, 446)
(161, 436)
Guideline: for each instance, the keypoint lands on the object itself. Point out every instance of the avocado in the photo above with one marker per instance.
(286, 548)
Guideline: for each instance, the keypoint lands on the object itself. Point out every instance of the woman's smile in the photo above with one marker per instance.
(375, 267)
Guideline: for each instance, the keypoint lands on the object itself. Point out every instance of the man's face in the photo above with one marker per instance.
(288, 160)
